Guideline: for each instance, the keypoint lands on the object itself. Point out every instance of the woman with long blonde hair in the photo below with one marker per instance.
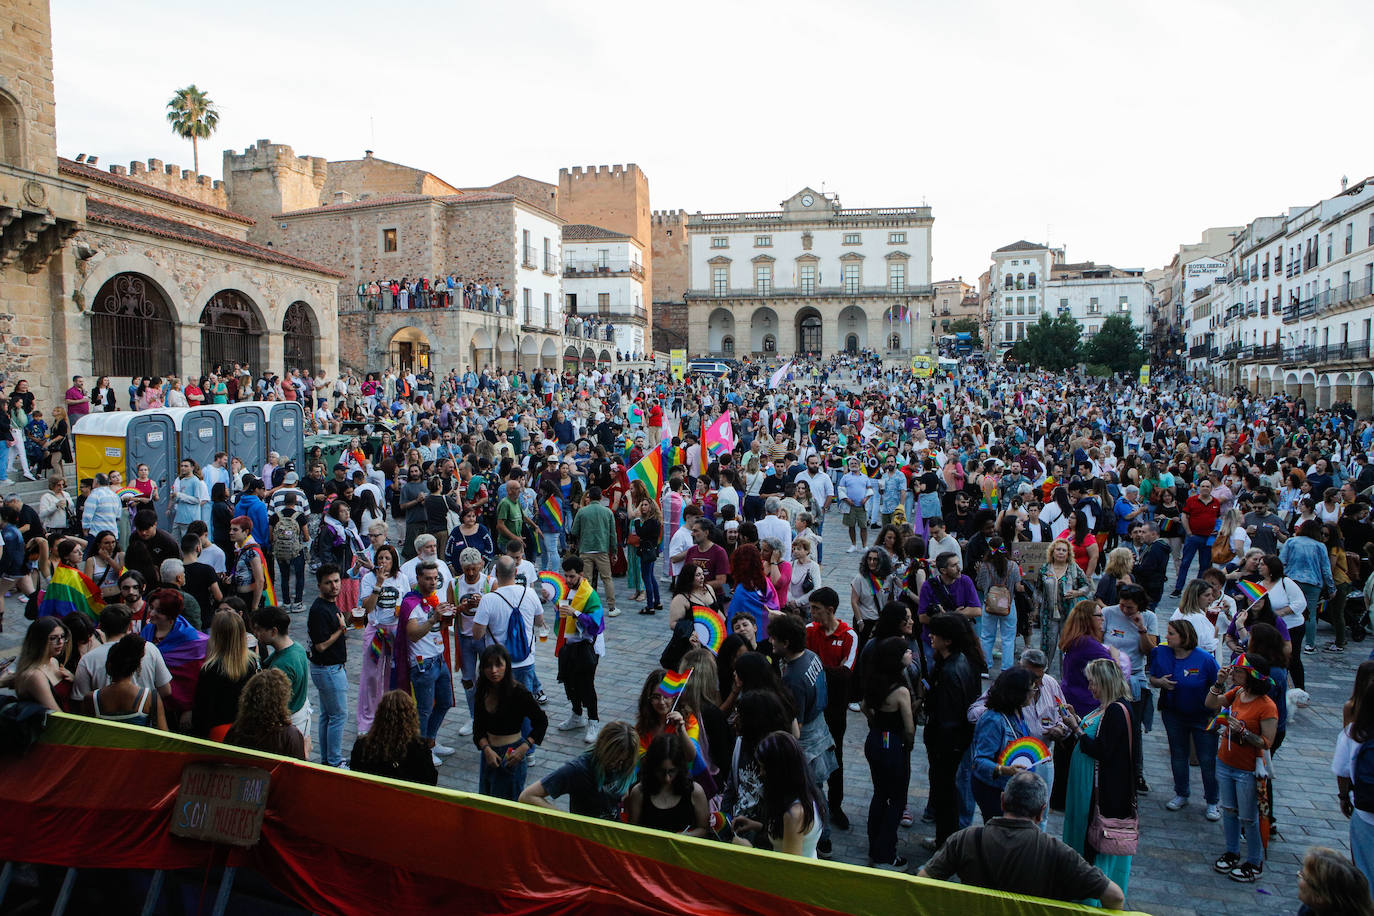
(227, 669)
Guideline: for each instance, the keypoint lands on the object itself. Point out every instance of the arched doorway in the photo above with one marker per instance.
(897, 327)
(409, 350)
(548, 354)
(588, 360)
(299, 333)
(854, 324)
(809, 329)
(570, 359)
(1362, 394)
(720, 333)
(231, 332)
(604, 361)
(529, 353)
(132, 333)
(851, 343)
(763, 325)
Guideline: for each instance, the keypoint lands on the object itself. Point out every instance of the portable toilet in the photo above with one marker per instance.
(122, 441)
(245, 433)
(286, 433)
(200, 434)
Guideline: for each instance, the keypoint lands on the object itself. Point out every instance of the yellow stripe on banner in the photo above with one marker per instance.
(810, 883)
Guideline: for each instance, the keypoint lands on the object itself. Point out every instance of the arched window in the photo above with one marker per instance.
(727, 346)
(770, 344)
(1020, 281)
(1010, 282)
(11, 131)
(131, 329)
(230, 332)
(1032, 280)
(298, 338)
(894, 342)
(809, 335)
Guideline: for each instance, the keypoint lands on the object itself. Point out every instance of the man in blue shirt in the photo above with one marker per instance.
(854, 493)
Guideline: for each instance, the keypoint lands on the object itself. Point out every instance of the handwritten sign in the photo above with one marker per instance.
(221, 804)
(1031, 556)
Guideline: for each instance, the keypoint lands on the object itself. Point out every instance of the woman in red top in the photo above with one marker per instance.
(1085, 549)
(1251, 723)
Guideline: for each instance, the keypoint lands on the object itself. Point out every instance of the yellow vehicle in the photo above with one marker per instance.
(922, 366)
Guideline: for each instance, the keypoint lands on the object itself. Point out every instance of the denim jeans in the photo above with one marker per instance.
(890, 764)
(502, 782)
(525, 674)
(1193, 545)
(1313, 594)
(469, 648)
(332, 683)
(992, 628)
(286, 569)
(5, 459)
(963, 781)
(1240, 808)
(432, 685)
(553, 542)
(652, 598)
(1179, 729)
(1362, 845)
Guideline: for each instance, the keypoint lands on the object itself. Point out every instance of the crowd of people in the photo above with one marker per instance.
(1027, 533)
(481, 294)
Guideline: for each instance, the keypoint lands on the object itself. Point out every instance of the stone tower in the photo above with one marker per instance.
(269, 178)
(671, 278)
(614, 197)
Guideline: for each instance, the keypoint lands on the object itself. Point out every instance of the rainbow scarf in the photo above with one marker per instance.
(588, 615)
(183, 649)
(269, 594)
(877, 585)
(69, 591)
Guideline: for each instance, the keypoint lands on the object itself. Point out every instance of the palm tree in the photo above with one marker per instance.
(192, 116)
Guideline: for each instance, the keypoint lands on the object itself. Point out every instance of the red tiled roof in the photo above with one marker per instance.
(111, 214)
(90, 173)
(388, 199)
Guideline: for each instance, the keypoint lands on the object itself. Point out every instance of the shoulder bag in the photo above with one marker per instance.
(1114, 836)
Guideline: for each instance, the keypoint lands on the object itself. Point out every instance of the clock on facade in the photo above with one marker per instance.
(807, 200)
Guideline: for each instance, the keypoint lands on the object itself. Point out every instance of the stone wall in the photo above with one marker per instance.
(479, 241)
(349, 239)
(377, 177)
(269, 178)
(670, 326)
(539, 193)
(614, 197)
(670, 256)
(176, 180)
(457, 339)
(28, 117)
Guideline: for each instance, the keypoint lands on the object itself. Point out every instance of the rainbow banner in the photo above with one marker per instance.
(71, 590)
(324, 858)
(673, 682)
(673, 455)
(649, 471)
(183, 649)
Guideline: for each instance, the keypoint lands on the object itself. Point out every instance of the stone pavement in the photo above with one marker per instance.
(1172, 876)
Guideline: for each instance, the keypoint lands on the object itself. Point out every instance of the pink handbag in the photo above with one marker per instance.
(1114, 836)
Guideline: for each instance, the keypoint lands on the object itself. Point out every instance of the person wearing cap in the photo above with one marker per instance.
(187, 498)
(291, 483)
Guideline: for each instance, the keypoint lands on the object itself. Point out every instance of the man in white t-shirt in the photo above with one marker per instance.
(427, 550)
(494, 614)
(774, 525)
(115, 622)
(525, 572)
(682, 541)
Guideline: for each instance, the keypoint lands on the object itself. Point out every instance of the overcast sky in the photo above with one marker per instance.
(1117, 130)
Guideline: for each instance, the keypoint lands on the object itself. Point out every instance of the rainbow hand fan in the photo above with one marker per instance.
(129, 492)
(557, 585)
(709, 626)
(1024, 753)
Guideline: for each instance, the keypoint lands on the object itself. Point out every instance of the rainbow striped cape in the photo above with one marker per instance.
(269, 593)
(183, 649)
(589, 615)
(71, 590)
(551, 514)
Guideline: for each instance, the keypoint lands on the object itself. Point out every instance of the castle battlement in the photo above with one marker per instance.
(169, 177)
(661, 217)
(278, 157)
(628, 170)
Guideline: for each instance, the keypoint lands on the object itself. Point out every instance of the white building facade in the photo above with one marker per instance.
(813, 277)
(603, 278)
(1019, 274)
(1093, 293)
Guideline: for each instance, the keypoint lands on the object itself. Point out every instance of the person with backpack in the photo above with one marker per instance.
(510, 615)
(288, 539)
(998, 578)
(1353, 766)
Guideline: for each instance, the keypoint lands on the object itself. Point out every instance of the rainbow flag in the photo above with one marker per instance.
(1220, 720)
(673, 682)
(673, 455)
(649, 470)
(588, 614)
(1251, 590)
(183, 649)
(551, 513)
(269, 593)
(71, 590)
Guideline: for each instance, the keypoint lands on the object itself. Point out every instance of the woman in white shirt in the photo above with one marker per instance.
(1192, 607)
(806, 573)
(380, 594)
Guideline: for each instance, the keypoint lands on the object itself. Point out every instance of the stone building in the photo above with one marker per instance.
(811, 277)
(953, 300)
(672, 277)
(136, 271)
(604, 277)
(373, 220)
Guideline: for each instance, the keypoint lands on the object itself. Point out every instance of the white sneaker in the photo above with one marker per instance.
(1214, 812)
(442, 750)
(593, 729)
(613, 612)
(438, 761)
(466, 730)
(573, 721)
(853, 548)
(1177, 802)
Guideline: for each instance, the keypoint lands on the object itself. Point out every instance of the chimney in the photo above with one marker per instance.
(80, 157)
(93, 160)
(367, 154)
(1345, 182)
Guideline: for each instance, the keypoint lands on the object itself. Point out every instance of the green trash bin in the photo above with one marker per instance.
(333, 447)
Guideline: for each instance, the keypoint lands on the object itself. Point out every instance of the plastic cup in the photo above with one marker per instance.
(359, 618)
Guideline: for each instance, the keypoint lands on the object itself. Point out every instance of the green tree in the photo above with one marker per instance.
(970, 325)
(1052, 343)
(193, 117)
(1116, 345)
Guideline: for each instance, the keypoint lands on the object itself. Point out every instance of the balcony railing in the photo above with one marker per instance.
(581, 269)
(1260, 353)
(1199, 351)
(528, 260)
(1346, 292)
(1231, 350)
(809, 292)
(1320, 354)
(350, 303)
